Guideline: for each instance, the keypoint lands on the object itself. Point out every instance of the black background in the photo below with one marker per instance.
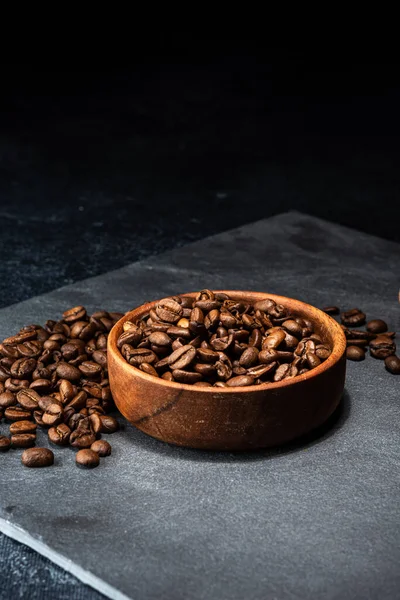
(101, 165)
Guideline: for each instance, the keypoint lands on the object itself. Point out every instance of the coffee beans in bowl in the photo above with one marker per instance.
(226, 370)
(213, 339)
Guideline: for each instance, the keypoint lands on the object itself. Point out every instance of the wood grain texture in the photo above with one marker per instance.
(232, 418)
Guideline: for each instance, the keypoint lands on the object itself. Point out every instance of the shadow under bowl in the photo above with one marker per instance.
(244, 418)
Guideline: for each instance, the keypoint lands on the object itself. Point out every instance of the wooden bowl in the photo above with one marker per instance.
(231, 418)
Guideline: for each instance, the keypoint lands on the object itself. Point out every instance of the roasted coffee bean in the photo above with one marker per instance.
(160, 338)
(101, 447)
(83, 436)
(202, 384)
(285, 371)
(53, 415)
(182, 358)
(7, 399)
(9, 351)
(37, 457)
(23, 367)
(131, 336)
(353, 318)
(323, 352)
(5, 443)
(20, 338)
(262, 371)
(28, 399)
(377, 326)
(141, 355)
(90, 369)
(179, 332)
(186, 376)
(30, 349)
(167, 376)
(67, 390)
(45, 401)
(23, 440)
(273, 340)
(355, 353)
(255, 339)
(149, 369)
(41, 386)
(78, 313)
(22, 427)
(95, 422)
(357, 342)
(60, 434)
(392, 364)
(240, 381)
(67, 371)
(331, 310)
(224, 368)
(249, 357)
(237, 369)
(207, 356)
(312, 360)
(78, 401)
(109, 424)
(168, 310)
(212, 319)
(382, 347)
(222, 344)
(87, 458)
(206, 369)
(16, 413)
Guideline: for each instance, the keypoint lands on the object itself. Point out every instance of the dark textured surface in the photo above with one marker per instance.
(319, 520)
(101, 168)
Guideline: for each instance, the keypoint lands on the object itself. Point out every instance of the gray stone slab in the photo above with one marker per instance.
(320, 519)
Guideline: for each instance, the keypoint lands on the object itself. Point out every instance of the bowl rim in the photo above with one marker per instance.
(336, 355)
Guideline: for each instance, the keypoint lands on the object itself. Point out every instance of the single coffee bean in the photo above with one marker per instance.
(211, 320)
(90, 369)
(7, 399)
(101, 447)
(355, 353)
(95, 422)
(331, 310)
(37, 458)
(5, 443)
(83, 436)
(100, 357)
(392, 364)
(262, 371)
(292, 327)
(273, 340)
(149, 369)
(353, 318)
(312, 360)
(28, 399)
(78, 313)
(167, 376)
(377, 326)
(240, 381)
(358, 334)
(20, 338)
(160, 338)
(53, 415)
(15, 413)
(67, 371)
(23, 440)
(130, 336)
(168, 310)
(382, 347)
(249, 357)
(22, 427)
(87, 458)
(109, 424)
(60, 434)
(182, 358)
(202, 384)
(323, 352)
(41, 386)
(30, 349)
(78, 401)
(206, 369)
(140, 355)
(186, 376)
(184, 321)
(358, 342)
(285, 371)
(23, 367)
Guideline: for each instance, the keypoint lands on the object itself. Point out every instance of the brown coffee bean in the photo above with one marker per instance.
(78, 401)
(60, 434)
(22, 427)
(262, 371)
(207, 356)
(160, 338)
(331, 310)
(312, 360)
(28, 399)
(23, 440)
(273, 340)
(7, 399)
(83, 436)
(90, 369)
(101, 447)
(20, 338)
(222, 344)
(37, 458)
(140, 355)
(182, 358)
(149, 369)
(167, 376)
(96, 423)
(202, 384)
(5, 443)
(41, 386)
(323, 352)
(224, 367)
(168, 310)
(23, 367)
(67, 371)
(87, 458)
(205, 369)
(67, 390)
(249, 357)
(109, 424)
(15, 413)
(357, 342)
(353, 318)
(131, 336)
(30, 349)
(377, 326)
(186, 376)
(240, 381)
(53, 415)
(285, 371)
(78, 313)
(211, 320)
(355, 353)
(392, 364)
(382, 347)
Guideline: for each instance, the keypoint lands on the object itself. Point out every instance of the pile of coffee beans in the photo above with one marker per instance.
(376, 336)
(55, 377)
(213, 340)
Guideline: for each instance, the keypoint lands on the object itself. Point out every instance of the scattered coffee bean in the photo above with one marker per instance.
(87, 458)
(353, 318)
(355, 353)
(23, 440)
(5, 443)
(60, 434)
(392, 364)
(37, 458)
(382, 347)
(23, 427)
(377, 326)
(101, 447)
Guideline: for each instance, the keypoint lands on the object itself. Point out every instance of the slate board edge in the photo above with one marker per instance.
(18, 534)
